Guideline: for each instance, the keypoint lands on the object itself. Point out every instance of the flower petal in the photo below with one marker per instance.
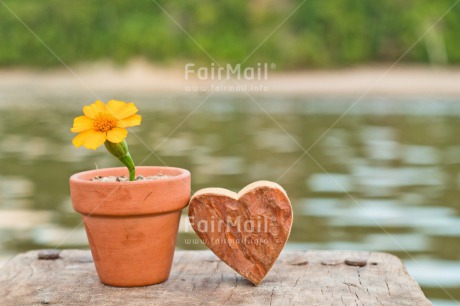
(121, 110)
(81, 124)
(92, 110)
(81, 138)
(116, 135)
(89, 139)
(130, 121)
(114, 106)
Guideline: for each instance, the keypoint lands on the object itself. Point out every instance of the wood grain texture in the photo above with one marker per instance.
(200, 278)
(247, 230)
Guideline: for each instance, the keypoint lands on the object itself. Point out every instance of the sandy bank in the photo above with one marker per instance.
(145, 78)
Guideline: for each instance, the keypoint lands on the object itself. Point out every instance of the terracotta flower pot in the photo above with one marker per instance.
(131, 226)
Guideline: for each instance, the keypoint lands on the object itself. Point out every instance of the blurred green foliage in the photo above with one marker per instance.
(319, 34)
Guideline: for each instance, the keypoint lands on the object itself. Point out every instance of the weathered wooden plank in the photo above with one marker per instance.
(199, 277)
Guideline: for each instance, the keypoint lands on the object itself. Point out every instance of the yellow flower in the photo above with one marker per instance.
(104, 122)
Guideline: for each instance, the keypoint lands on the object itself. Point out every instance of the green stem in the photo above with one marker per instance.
(128, 162)
(120, 151)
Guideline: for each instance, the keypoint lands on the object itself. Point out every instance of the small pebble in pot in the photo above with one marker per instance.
(356, 262)
(139, 177)
(48, 254)
(122, 179)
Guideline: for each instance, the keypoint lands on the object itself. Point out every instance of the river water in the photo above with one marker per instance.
(383, 177)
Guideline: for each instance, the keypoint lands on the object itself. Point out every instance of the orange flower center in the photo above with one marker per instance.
(104, 122)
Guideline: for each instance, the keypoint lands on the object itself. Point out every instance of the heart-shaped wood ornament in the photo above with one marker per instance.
(247, 230)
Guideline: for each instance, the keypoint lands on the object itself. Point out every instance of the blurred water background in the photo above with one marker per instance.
(386, 177)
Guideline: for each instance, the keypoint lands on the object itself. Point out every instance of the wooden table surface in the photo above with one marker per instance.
(199, 277)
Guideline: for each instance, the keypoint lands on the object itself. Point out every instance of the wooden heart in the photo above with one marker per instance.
(247, 230)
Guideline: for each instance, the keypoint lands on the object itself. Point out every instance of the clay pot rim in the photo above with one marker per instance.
(78, 177)
(130, 198)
